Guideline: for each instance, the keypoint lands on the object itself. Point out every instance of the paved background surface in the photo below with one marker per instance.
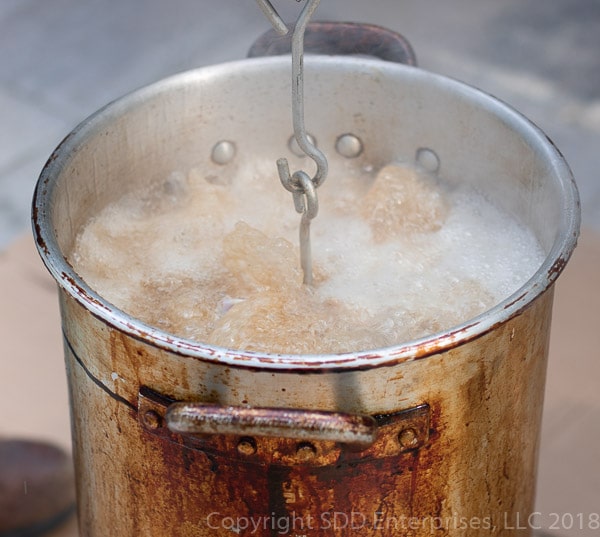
(63, 59)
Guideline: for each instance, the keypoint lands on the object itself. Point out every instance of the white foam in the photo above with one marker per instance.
(381, 277)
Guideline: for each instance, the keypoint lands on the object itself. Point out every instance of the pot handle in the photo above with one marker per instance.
(340, 38)
(314, 425)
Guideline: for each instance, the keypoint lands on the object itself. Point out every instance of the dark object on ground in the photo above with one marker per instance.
(37, 489)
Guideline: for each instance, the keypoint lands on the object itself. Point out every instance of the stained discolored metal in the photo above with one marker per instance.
(246, 446)
(201, 418)
(474, 457)
(285, 436)
(152, 419)
(408, 438)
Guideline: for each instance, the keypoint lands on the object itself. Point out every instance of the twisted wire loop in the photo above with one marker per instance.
(302, 187)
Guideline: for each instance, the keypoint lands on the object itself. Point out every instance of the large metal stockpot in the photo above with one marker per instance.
(438, 435)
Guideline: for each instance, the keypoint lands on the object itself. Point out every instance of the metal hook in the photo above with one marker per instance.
(302, 187)
(271, 14)
(298, 83)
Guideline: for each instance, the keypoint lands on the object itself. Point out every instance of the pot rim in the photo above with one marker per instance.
(75, 286)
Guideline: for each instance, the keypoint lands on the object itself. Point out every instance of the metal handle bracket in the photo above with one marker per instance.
(339, 38)
(283, 436)
(313, 425)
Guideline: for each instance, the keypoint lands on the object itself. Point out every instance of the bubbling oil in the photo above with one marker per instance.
(397, 255)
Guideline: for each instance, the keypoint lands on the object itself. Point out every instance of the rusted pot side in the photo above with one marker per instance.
(457, 414)
(473, 468)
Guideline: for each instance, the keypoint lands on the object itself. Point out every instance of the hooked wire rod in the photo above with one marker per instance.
(302, 187)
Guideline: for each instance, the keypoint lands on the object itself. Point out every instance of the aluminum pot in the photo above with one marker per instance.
(438, 435)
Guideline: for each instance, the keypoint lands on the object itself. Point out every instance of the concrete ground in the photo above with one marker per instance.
(63, 59)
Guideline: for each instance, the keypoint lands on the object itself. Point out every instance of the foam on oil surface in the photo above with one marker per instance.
(396, 256)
